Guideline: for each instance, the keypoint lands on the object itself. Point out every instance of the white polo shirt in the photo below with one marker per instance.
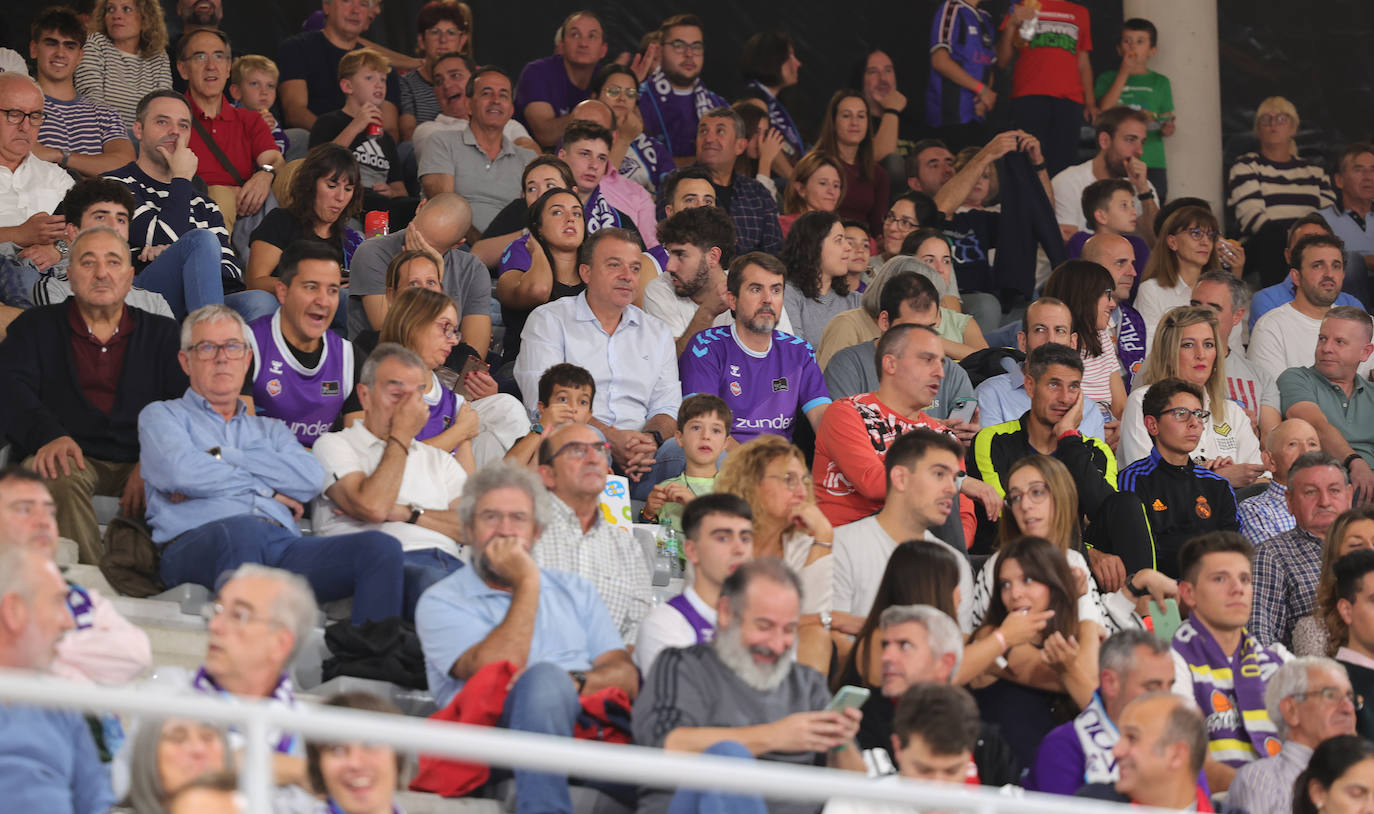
(432, 481)
(34, 186)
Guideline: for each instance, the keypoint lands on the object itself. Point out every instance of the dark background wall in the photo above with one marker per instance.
(1321, 61)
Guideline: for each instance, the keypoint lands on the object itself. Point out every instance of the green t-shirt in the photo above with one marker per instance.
(671, 513)
(1149, 92)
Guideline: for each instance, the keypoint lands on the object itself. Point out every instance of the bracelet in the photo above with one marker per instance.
(1068, 433)
(1041, 167)
(894, 111)
(1146, 195)
(1349, 459)
(1001, 640)
(393, 439)
(978, 89)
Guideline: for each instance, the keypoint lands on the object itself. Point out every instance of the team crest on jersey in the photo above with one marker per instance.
(1222, 429)
(735, 389)
(780, 384)
(329, 388)
(274, 387)
(1159, 505)
(1203, 510)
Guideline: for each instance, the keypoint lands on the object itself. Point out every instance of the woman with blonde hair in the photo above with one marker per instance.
(1323, 632)
(1270, 188)
(126, 55)
(1189, 244)
(770, 474)
(1188, 347)
(817, 185)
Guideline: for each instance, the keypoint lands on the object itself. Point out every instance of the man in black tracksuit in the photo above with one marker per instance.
(1182, 500)
(1117, 528)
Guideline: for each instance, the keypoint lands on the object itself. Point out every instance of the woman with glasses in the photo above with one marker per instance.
(542, 267)
(845, 134)
(1189, 243)
(426, 322)
(771, 475)
(1323, 632)
(1189, 348)
(125, 57)
(356, 777)
(1089, 292)
(908, 213)
(635, 155)
(443, 27)
(1272, 187)
(817, 185)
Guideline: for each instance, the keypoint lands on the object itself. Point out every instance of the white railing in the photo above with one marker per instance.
(634, 765)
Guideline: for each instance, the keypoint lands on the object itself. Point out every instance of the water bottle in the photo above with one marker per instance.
(674, 548)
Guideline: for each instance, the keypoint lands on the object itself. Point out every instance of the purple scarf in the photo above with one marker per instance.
(704, 630)
(779, 118)
(281, 694)
(1130, 342)
(1238, 725)
(599, 212)
(79, 603)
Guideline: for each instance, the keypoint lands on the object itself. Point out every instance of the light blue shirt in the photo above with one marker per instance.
(1004, 398)
(635, 368)
(1355, 231)
(48, 763)
(258, 457)
(572, 628)
(1284, 292)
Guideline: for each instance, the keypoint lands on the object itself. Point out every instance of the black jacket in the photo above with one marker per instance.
(1181, 503)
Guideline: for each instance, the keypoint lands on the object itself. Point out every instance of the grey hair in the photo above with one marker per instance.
(100, 229)
(871, 300)
(1118, 651)
(210, 313)
(501, 475)
(1240, 292)
(385, 351)
(294, 608)
(1290, 680)
(727, 113)
(941, 631)
(6, 77)
(1313, 459)
(1351, 313)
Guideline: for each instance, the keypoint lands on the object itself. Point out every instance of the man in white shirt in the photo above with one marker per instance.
(451, 74)
(629, 354)
(718, 536)
(1287, 336)
(1120, 143)
(922, 466)
(30, 189)
(1228, 295)
(379, 477)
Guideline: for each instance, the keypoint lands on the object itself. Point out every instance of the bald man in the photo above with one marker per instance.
(29, 192)
(620, 192)
(1163, 744)
(1266, 514)
(441, 222)
(1114, 252)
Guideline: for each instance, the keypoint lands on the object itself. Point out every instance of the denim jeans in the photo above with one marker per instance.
(422, 569)
(187, 273)
(544, 701)
(366, 565)
(694, 801)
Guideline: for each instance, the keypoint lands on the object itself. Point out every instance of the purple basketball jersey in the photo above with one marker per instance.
(442, 412)
(308, 400)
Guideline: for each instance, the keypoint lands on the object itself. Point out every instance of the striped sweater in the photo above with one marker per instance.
(1263, 191)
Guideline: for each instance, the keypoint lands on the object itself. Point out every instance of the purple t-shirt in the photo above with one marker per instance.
(766, 392)
(546, 80)
(308, 400)
(1058, 767)
(671, 115)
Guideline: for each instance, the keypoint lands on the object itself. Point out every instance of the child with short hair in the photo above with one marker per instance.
(1109, 208)
(253, 86)
(566, 392)
(860, 249)
(703, 427)
(1138, 87)
(358, 126)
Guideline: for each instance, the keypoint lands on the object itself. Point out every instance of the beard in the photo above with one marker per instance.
(729, 646)
(682, 80)
(762, 322)
(1319, 297)
(694, 286)
(1116, 167)
(484, 570)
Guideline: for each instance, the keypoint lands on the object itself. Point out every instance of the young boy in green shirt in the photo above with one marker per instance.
(703, 427)
(1138, 87)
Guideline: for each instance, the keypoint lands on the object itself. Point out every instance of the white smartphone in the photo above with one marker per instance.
(963, 409)
(847, 697)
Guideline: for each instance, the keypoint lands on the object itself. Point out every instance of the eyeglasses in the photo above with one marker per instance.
(791, 481)
(697, 47)
(492, 517)
(238, 617)
(205, 351)
(1332, 695)
(200, 57)
(439, 32)
(614, 92)
(1199, 234)
(450, 330)
(578, 450)
(901, 220)
(1183, 413)
(15, 115)
(1274, 118)
(1033, 496)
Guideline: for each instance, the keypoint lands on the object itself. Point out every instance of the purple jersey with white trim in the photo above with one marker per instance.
(967, 33)
(546, 80)
(765, 392)
(309, 401)
(443, 410)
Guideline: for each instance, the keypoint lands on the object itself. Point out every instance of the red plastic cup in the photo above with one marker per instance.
(376, 223)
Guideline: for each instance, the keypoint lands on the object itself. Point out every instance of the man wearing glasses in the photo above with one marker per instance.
(673, 98)
(73, 403)
(551, 86)
(226, 487)
(1182, 499)
(1310, 699)
(573, 463)
(29, 193)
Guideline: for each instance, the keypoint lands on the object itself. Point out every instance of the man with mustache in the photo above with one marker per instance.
(1120, 143)
(767, 377)
(744, 694)
(1334, 396)
(550, 624)
(1286, 336)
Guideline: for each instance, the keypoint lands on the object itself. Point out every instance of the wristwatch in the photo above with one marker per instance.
(62, 246)
(268, 168)
(415, 513)
(1146, 195)
(66, 157)
(825, 619)
(1350, 459)
(580, 676)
